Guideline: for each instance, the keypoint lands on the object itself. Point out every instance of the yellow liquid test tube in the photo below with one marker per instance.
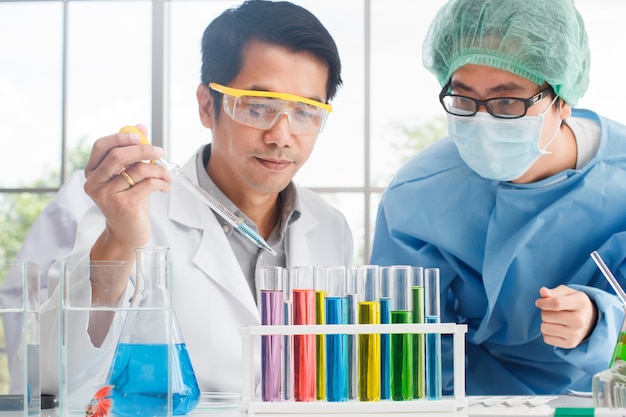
(369, 353)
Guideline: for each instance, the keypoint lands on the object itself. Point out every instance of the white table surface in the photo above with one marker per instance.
(477, 406)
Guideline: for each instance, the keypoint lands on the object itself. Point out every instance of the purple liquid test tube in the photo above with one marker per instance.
(271, 345)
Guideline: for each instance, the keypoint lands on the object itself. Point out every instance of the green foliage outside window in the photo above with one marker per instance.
(18, 211)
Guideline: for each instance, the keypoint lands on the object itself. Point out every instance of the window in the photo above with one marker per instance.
(78, 70)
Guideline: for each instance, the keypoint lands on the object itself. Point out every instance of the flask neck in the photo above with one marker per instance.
(151, 275)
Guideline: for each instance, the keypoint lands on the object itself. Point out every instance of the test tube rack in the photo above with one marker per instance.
(252, 404)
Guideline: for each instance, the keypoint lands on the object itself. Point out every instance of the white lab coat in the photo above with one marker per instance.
(211, 296)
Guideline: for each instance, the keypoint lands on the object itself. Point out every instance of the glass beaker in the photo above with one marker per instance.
(151, 372)
(19, 331)
(609, 386)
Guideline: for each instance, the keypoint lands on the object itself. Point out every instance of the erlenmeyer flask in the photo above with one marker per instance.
(151, 351)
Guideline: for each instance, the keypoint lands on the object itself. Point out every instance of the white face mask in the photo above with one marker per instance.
(499, 149)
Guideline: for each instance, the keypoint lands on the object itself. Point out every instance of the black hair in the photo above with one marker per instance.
(279, 23)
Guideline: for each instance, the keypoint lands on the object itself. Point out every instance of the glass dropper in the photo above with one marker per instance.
(175, 170)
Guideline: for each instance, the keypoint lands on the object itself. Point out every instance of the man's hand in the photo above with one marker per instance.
(120, 184)
(567, 316)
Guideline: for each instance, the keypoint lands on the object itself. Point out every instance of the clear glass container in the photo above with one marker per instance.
(609, 386)
(151, 372)
(19, 328)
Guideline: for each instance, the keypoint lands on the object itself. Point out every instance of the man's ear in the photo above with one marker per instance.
(566, 109)
(205, 106)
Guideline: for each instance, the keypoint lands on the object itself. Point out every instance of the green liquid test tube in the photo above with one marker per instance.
(419, 343)
(401, 359)
(400, 278)
(619, 353)
(320, 346)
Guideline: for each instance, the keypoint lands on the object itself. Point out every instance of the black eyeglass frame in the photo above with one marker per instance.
(528, 102)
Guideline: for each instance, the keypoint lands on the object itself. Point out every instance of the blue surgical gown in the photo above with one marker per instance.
(497, 243)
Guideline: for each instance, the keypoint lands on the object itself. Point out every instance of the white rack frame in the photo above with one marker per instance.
(251, 404)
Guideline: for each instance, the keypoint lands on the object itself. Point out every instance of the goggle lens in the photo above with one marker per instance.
(263, 109)
(265, 112)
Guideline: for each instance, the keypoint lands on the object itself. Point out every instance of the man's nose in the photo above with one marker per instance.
(280, 131)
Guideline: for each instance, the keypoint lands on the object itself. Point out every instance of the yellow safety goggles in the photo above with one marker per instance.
(263, 109)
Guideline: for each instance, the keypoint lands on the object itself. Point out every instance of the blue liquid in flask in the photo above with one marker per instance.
(139, 375)
(151, 372)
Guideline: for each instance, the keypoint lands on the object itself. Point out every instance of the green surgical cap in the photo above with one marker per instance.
(540, 40)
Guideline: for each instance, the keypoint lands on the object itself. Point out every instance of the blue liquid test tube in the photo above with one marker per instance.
(271, 345)
(433, 340)
(385, 340)
(400, 277)
(369, 344)
(352, 296)
(337, 344)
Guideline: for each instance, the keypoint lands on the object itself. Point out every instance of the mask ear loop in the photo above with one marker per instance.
(556, 131)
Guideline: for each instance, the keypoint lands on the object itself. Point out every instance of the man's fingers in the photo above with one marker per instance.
(559, 298)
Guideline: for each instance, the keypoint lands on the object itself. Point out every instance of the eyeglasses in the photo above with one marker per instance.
(263, 109)
(500, 107)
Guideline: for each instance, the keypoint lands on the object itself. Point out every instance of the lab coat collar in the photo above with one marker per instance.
(213, 255)
(221, 265)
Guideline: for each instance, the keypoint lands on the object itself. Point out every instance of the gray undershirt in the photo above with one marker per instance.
(251, 258)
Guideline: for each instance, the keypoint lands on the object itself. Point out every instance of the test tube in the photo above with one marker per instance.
(400, 277)
(289, 276)
(385, 341)
(619, 352)
(433, 340)
(419, 344)
(369, 344)
(352, 297)
(303, 298)
(271, 345)
(337, 344)
(320, 341)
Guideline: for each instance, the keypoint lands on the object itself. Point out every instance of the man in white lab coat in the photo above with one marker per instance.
(269, 70)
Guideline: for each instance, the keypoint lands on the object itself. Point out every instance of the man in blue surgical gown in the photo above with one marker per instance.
(510, 205)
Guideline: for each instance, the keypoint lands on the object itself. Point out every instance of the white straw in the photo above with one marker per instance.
(609, 276)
